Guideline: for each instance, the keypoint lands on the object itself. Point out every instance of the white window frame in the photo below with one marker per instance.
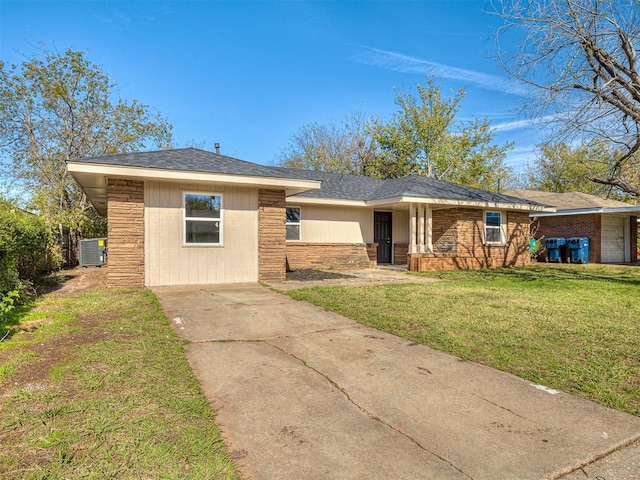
(299, 224)
(201, 219)
(501, 227)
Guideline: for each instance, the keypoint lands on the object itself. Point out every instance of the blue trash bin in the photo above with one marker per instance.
(578, 249)
(556, 249)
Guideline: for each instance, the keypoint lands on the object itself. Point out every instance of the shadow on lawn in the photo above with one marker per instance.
(8, 326)
(46, 284)
(540, 273)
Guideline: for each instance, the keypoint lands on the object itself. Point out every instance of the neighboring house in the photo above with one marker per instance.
(188, 216)
(610, 226)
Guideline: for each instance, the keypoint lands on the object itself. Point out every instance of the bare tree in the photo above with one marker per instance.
(580, 58)
(342, 148)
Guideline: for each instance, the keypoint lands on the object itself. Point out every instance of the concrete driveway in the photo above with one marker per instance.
(302, 393)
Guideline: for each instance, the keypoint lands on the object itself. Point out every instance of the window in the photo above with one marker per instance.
(293, 223)
(202, 219)
(493, 227)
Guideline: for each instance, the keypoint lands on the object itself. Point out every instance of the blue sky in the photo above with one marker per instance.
(249, 74)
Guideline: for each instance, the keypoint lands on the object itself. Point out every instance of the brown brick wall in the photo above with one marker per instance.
(302, 255)
(125, 216)
(568, 226)
(400, 252)
(426, 262)
(517, 242)
(457, 242)
(372, 252)
(271, 236)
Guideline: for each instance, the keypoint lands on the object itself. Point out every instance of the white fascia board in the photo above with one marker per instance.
(336, 202)
(112, 171)
(461, 203)
(630, 210)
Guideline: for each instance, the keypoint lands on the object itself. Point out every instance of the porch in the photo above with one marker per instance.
(442, 238)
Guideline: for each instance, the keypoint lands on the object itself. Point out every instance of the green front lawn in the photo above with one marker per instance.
(573, 328)
(97, 386)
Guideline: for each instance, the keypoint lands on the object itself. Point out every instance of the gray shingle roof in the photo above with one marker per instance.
(569, 200)
(334, 185)
(419, 186)
(186, 159)
(337, 185)
(354, 187)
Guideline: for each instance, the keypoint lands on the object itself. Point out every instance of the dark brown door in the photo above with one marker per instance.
(382, 235)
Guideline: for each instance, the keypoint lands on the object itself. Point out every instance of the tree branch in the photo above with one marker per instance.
(615, 182)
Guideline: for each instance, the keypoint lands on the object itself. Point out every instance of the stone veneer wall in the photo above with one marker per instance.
(271, 236)
(125, 217)
(457, 242)
(301, 255)
(400, 253)
(372, 252)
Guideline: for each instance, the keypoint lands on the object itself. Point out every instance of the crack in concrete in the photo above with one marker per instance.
(502, 407)
(594, 458)
(226, 340)
(258, 340)
(324, 330)
(369, 414)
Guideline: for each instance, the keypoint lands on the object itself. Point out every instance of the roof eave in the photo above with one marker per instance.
(93, 179)
(631, 209)
(460, 203)
(295, 199)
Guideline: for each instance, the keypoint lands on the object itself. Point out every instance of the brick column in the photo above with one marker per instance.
(271, 236)
(125, 216)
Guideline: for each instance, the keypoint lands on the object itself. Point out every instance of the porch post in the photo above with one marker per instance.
(412, 228)
(429, 225)
(421, 228)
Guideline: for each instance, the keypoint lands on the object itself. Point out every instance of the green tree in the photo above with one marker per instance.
(59, 107)
(25, 248)
(561, 168)
(342, 148)
(423, 137)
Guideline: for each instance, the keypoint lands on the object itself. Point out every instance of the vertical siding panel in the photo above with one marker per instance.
(336, 224)
(175, 264)
(152, 249)
(147, 238)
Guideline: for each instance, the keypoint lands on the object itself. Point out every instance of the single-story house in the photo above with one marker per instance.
(611, 226)
(188, 216)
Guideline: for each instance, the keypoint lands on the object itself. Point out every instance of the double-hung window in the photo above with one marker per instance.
(293, 223)
(493, 227)
(202, 219)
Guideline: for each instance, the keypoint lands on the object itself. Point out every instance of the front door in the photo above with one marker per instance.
(382, 235)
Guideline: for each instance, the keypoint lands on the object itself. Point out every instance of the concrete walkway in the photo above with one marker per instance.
(302, 393)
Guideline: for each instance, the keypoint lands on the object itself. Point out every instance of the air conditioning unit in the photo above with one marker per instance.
(93, 252)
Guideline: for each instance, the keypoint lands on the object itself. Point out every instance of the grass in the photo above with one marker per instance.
(572, 328)
(102, 389)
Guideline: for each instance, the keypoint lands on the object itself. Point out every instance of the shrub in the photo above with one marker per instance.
(7, 303)
(25, 249)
